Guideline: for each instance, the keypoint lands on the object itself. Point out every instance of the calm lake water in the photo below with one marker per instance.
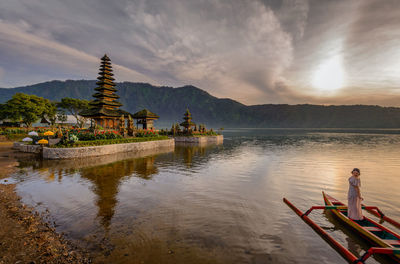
(216, 203)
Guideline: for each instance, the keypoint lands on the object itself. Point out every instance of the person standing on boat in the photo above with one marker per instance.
(354, 210)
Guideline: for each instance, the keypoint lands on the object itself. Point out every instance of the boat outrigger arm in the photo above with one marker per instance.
(350, 257)
(341, 207)
(383, 217)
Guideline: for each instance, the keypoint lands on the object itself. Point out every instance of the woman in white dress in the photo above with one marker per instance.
(354, 210)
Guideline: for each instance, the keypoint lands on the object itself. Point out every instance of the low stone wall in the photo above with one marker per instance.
(16, 145)
(82, 152)
(102, 160)
(204, 139)
(27, 148)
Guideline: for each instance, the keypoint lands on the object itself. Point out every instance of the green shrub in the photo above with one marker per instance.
(73, 138)
(15, 137)
(13, 130)
(107, 142)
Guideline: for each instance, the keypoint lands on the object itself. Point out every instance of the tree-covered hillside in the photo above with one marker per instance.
(170, 104)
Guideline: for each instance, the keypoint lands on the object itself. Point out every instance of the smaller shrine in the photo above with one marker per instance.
(145, 118)
(187, 124)
(44, 122)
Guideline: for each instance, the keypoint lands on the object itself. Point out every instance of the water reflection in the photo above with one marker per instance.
(106, 180)
(105, 173)
(200, 151)
(207, 203)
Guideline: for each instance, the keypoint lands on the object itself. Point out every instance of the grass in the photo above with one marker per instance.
(102, 142)
(15, 137)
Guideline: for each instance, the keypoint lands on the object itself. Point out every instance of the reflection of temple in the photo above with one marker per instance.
(106, 176)
(106, 180)
(144, 167)
(187, 151)
(104, 172)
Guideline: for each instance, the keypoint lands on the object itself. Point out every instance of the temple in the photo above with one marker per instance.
(145, 118)
(104, 110)
(187, 124)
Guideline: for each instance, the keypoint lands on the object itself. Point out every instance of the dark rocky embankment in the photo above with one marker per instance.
(24, 236)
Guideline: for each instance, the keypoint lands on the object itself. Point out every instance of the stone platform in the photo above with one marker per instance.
(27, 148)
(83, 152)
(200, 140)
(93, 151)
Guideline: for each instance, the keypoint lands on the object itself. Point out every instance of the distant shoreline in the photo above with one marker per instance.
(381, 131)
(309, 128)
(169, 103)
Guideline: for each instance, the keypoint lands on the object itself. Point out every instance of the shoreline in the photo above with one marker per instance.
(24, 236)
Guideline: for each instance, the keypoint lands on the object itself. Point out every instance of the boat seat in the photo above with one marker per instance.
(392, 242)
(372, 228)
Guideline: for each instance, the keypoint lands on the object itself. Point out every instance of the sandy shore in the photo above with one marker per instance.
(24, 236)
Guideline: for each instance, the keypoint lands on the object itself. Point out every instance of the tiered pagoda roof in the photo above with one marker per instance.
(95, 112)
(145, 114)
(188, 120)
(105, 102)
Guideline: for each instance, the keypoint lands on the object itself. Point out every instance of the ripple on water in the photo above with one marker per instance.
(223, 203)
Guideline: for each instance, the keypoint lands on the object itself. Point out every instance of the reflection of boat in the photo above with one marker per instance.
(375, 233)
(388, 242)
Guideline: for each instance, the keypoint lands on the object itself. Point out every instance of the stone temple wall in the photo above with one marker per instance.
(27, 148)
(82, 152)
(204, 139)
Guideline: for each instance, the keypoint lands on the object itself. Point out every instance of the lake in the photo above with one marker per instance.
(216, 203)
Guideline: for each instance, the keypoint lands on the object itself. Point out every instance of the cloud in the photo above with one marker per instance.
(1, 73)
(224, 47)
(292, 14)
(257, 51)
(372, 45)
(41, 51)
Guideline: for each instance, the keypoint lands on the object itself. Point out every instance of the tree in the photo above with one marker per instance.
(74, 106)
(2, 112)
(51, 112)
(26, 108)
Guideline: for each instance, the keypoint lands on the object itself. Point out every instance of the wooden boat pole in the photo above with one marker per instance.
(342, 207)
(344, 252)
(379, 214)
(376, 250)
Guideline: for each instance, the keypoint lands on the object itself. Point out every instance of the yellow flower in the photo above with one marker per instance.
(48, 133)
(43, 141)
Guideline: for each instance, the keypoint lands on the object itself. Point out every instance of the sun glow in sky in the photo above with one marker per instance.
(329, 75)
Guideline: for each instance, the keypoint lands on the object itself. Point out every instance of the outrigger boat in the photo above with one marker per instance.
(384, 240)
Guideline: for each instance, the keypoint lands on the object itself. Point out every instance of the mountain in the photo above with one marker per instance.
(170, 104)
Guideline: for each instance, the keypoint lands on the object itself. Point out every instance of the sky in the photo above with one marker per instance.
(253, 51)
